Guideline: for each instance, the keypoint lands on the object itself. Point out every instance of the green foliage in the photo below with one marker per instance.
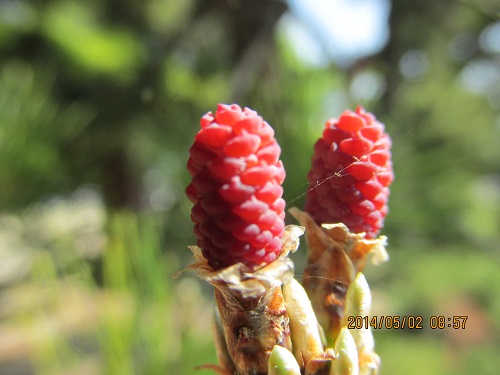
(447, 282)
(426, 355)
(91, 46)
(138, 321)
(34, 130)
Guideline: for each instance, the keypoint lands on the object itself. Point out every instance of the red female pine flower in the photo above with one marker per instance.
(236, 188)
(351, 173)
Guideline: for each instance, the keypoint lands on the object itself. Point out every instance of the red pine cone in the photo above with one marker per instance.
(236, 188)
(351, 173)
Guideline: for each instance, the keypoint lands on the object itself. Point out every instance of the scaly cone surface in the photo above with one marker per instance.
(236, 188)
(351, 173)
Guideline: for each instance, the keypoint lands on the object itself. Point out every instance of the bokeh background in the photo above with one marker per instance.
(99, 103)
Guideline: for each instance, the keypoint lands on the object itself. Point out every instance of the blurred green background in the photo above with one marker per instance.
(99, 103)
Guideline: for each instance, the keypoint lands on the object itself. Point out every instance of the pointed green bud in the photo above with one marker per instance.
(358, 299)
(282, 362)
(358, 303)
(346, 362)
(306, 337)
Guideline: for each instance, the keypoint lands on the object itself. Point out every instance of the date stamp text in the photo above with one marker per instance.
(406, 322)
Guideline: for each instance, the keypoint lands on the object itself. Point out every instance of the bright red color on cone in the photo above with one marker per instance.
(236, 188)
(351, 173)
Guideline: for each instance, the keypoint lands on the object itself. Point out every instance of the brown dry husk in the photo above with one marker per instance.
(251, 309)
(335, 257)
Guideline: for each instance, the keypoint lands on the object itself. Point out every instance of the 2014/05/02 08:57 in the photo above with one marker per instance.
(402, 322)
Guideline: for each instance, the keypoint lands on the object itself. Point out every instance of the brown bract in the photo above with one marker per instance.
(251, 308)
(335, 257)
